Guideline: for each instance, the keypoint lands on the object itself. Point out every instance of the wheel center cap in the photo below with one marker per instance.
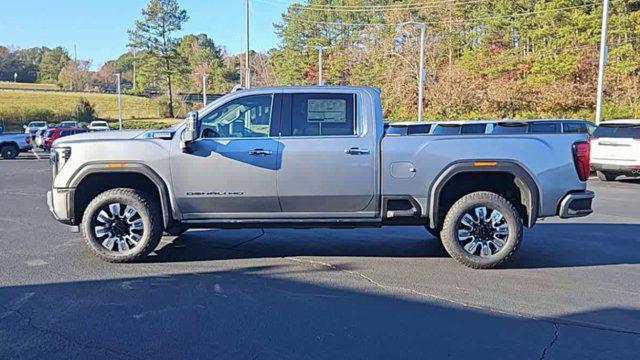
(120, 228)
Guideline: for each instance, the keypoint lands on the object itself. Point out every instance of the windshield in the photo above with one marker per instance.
(67, 124)
(37, 124)
(99, 123)
(618, 131)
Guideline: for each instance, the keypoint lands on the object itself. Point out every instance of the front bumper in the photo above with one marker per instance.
(576, 204)
(60, 203)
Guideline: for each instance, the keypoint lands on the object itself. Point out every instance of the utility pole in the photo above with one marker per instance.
(204, 88)
(119, 102)
(603, 59)
(134, 68)
(320, 49)
(246, 55)
(421, 75)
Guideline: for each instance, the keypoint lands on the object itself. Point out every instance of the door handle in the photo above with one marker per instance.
(356, 151)
(260, 152)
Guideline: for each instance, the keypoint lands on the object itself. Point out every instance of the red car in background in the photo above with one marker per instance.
(58, 132)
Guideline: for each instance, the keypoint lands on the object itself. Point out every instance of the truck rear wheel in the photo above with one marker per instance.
(606, 176)
(122, 225)
(482, 230)
(9, 152)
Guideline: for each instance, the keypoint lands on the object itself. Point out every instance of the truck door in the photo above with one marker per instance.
(231, 170)
(328, 159)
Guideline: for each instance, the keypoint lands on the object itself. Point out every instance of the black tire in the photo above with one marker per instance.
(606, 176)
(9, 152)
(148, 211)
(510, 218)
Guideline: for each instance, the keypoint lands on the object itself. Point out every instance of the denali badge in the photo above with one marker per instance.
(215, 193)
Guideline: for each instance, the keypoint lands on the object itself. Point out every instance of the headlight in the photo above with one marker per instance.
(59, 157)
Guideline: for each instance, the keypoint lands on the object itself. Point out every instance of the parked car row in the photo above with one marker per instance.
(40, 126)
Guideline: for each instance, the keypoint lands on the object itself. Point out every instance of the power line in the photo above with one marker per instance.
(442, 21)
(373, 8)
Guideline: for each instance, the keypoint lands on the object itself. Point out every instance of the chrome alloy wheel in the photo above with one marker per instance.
(484, 232)
(118, 230)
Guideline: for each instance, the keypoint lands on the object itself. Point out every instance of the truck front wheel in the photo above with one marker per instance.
(122, 225)
(482, 230)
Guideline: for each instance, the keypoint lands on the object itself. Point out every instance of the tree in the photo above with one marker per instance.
(52, 63)
(75, 75)
(154, 34)
(84, 111)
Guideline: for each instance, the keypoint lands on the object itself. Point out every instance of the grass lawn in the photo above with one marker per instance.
(19, 106)
(31, 86)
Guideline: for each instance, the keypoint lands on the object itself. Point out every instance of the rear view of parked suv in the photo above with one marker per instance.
(615, 149)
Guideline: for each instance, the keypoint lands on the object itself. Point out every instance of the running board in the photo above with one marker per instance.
(283, 223)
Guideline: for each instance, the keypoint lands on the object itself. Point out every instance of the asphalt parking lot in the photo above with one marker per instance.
(572, 292)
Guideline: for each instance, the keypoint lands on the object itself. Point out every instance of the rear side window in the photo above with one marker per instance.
(322, 115)
(418, 129)
(545, 128)
(474, 128)
(447, 130)
(517, 128)
(574, 128)
(618, 131)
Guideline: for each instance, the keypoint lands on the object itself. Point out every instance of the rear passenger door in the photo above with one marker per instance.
(328, 160)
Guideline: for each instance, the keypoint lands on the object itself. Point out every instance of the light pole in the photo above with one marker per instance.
(320, 48)
(119, 102)
(603, 60)
(421, 70)
(204, 88)
(246, 55)
(134, 68)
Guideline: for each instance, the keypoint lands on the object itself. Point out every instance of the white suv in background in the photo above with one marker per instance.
(99, 126)
(615, 149)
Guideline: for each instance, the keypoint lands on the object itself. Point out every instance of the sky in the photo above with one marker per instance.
(98, 28)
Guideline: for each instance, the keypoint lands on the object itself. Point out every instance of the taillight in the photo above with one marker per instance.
(27, 139)
(636, 138)
(581, 155)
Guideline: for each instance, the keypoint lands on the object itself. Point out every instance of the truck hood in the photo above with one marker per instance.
(100, 136)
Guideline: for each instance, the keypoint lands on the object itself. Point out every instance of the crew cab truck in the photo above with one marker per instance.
(313, 157)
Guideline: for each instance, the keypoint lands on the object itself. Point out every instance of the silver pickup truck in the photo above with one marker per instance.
(313, 157)
(13, 144)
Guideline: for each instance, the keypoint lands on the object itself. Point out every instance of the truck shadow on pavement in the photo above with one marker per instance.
(261, 312)
(555, 245)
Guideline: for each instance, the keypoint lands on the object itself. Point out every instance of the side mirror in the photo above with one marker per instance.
(190, 132)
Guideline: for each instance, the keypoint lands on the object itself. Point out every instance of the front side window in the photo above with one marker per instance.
(323, 115)
(244, 117)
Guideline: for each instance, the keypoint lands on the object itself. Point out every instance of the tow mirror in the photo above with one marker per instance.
(190, 132)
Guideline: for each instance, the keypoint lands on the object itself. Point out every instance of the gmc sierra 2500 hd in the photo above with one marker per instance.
(313, 157)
